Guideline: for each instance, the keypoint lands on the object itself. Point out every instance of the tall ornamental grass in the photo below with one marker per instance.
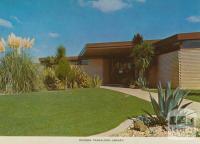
(17, 73)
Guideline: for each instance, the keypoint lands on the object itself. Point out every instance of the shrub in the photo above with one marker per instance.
(81, 78)
(168, 101)
(95, 81)
(61, 52)
(147, 120)
(142, 53)
(141, 83)
(17, 73)
(71, 79)
(63, 71)
(50, 80)
(76, 78)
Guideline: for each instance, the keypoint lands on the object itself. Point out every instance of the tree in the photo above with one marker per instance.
(63, 67)
(137, 39)
(142, 54)
(61, 52)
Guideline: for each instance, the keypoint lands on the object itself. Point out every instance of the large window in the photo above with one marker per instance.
(84, 62)
(191, 44)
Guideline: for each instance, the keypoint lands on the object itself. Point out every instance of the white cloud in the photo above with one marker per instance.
(5, 23)
(53, 35)
(193, 19)
(16, 19)
(108, 5)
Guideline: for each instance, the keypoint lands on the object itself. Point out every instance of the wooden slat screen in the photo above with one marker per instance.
(190, 68)
(168, 68)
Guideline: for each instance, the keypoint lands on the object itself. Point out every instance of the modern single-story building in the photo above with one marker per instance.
(177, 59)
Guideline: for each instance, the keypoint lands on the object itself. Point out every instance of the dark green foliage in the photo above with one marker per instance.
(142, 54)
(148, 121)
(61, 53)
(63, 70)
(59, 74)
(137, 39)
(198, 133)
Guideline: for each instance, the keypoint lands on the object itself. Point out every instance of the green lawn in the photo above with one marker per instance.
(78, 112)
(193, 95)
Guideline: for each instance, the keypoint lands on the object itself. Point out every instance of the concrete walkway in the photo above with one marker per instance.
(145, 96)
(123, 126)
(142, 95)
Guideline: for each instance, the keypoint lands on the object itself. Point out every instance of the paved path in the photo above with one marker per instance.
(123, 126)
(145, 95)
(140, 94)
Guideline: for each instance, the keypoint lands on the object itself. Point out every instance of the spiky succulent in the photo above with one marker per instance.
(167, 102)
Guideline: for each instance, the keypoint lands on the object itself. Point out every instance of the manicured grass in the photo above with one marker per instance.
(78, 112)
(193, 95)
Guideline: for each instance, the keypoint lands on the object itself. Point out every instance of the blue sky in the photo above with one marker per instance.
(73, 23)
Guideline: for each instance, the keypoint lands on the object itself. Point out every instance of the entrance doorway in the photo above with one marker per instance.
(121, 71)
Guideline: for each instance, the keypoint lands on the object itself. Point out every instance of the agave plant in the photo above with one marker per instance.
(167, 102)
(141, 82)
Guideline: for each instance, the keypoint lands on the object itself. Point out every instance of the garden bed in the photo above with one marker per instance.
(158, 131)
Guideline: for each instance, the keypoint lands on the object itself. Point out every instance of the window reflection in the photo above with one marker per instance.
(191, 44)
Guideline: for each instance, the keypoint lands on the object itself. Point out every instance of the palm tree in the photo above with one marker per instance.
(142, 54)
(63, 66)
(61, 52)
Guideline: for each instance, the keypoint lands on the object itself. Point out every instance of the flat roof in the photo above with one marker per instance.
(180, 37)
(109, 49)
(124, 48)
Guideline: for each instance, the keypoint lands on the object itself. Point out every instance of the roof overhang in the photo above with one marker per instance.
(109, 49)
(174, 42)
(124, 49)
